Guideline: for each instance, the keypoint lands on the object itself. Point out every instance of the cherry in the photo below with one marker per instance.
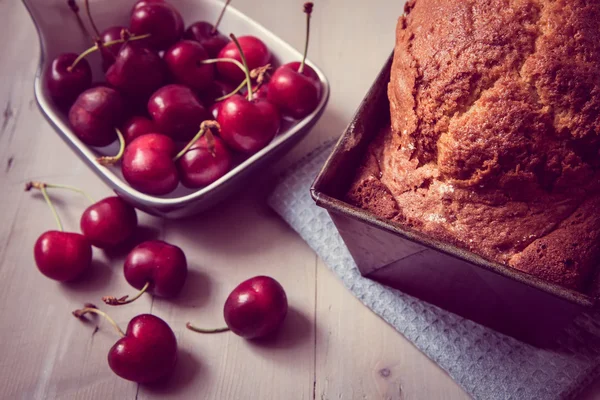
(95, 114)
(204, 33)
(255, 308)
(207, 160)
(215, 91)
(110, 53)
(214, 109)
(296, 93)
(148, 164)
(64, 83)
(177, 111)
(208, 35)
(109, 222)
(62, 256)
(137, 71)
(137, 126)
(247, 125)
(161, 20)
(256, 52)
(155, 267)
(184, 60)
(295, 87)
(143, 3)
(146, 352)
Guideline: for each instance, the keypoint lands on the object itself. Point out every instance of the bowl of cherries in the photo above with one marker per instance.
(173, 113)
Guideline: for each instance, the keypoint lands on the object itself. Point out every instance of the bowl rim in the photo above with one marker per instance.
(335, 205)
(120, 185)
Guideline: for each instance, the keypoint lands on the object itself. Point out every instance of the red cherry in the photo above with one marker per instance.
(143, 3)
(147, 353)
(214, 109)
(204, 33)
(110, 53)
(148, 164)
(157, 262)
(95, 114)
(137, 71)
(295, 94)
(161, 20)
(256, 307)
(248, 126)
(205, 162)
(62, 256)
(137, 126)
(184, 60)
(109, 222)
(214, 91)
(65, 85)
(177, 111)
(256, 52)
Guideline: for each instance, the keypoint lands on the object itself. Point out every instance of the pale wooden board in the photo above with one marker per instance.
(331, 347)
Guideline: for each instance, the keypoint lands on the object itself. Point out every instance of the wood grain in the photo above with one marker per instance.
(331, 347)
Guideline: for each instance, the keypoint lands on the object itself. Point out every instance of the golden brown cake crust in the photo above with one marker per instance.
(495, 132)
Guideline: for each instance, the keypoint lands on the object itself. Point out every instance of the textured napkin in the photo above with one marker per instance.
(487, 364)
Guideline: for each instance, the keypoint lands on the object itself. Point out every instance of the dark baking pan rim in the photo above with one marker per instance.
(350, 139)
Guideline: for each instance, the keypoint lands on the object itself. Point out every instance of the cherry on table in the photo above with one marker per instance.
(256, 308)
(109, 222)
(256, 52)
(177, 111)
(207, 160)
(295, 88)
(95, 114)
(159, 19)
(62, 256)
(145, 353)
(154, 267)
(137, 126)
(184, 60)
(137, 71)
(148, 164)
(208, 35)
(64, 83)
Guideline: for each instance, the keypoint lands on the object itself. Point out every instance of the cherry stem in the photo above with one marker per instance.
(73, 6)
(206, 125)
(245, 63)
(107, 44)
(42, 188)
(113, 301)
(200, 330)
(43, 185)
(91, 309)
(111, 160)
(229, 60)
(214, 29)
(308, 11)
(89, 14)
(225, 97)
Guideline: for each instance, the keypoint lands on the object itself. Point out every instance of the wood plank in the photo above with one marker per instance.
(359, 356)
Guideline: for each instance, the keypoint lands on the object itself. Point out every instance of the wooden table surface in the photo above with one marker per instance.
(331, 347)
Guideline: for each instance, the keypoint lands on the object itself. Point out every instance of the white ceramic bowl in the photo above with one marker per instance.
(59, 32)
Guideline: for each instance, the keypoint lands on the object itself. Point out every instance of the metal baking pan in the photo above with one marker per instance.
(58, 32)
(452, 278)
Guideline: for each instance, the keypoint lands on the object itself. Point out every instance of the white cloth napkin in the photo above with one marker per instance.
(487, 364)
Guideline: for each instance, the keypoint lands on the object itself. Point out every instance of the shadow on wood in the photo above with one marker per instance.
(94, 279)
(186, 371)
(196, 291)
(296, 330)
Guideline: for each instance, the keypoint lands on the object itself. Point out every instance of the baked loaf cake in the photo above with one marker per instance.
(495, 133)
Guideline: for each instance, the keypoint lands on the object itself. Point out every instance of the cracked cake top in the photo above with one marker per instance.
(495, 132)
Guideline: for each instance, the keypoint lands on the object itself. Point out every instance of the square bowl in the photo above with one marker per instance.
(59, 32)
(450, 277)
